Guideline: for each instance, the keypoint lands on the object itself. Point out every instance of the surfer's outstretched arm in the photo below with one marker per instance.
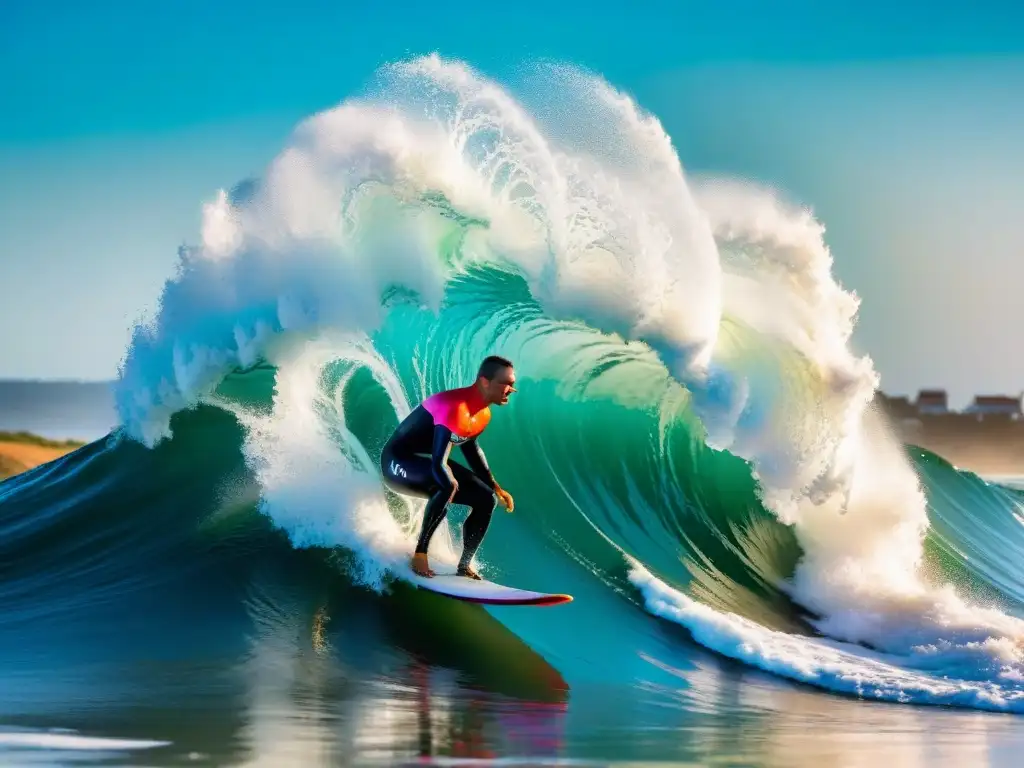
(478, 462)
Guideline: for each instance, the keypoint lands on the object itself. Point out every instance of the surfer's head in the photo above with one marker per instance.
(496, 379)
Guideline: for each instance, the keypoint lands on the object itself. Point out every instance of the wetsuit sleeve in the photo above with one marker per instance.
(439, 457)
(477, 461)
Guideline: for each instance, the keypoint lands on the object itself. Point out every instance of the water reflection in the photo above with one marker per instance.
(323, 693)
(338, 677)
(753, 718)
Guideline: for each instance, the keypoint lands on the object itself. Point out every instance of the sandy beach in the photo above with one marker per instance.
(19, 453)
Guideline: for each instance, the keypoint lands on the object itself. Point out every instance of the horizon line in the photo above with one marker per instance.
(55, 380)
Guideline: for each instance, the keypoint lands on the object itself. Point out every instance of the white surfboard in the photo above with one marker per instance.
(446, 582)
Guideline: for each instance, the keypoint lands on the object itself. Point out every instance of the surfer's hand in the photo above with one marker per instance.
(505, 498)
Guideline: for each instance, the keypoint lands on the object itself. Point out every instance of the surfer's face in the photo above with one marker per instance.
(498, 389)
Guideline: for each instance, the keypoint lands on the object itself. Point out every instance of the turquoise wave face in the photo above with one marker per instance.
(599, 447)
(976, 537)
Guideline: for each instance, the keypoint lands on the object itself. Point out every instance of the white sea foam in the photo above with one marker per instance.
(59, 739)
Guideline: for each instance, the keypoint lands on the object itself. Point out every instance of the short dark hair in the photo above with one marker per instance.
(491, 365)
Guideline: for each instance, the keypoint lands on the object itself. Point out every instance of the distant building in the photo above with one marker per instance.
(900, 410)
(935, 402)
(932, 402)
(996, 405)
(897, 406)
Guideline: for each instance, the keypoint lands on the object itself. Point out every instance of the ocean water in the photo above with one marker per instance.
(762, 575)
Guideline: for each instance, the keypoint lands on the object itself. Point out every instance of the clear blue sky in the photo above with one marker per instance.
(899, 122)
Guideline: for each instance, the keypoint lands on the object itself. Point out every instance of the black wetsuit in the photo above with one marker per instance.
(415, 461)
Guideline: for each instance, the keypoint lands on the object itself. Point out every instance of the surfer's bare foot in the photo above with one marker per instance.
(420, 566)
(469, 573)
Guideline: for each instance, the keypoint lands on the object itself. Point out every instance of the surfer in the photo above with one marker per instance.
(415, 459)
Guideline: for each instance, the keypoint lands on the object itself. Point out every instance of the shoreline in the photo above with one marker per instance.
(22, 451)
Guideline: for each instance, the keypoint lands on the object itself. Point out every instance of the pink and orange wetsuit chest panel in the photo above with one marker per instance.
(453, 410)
